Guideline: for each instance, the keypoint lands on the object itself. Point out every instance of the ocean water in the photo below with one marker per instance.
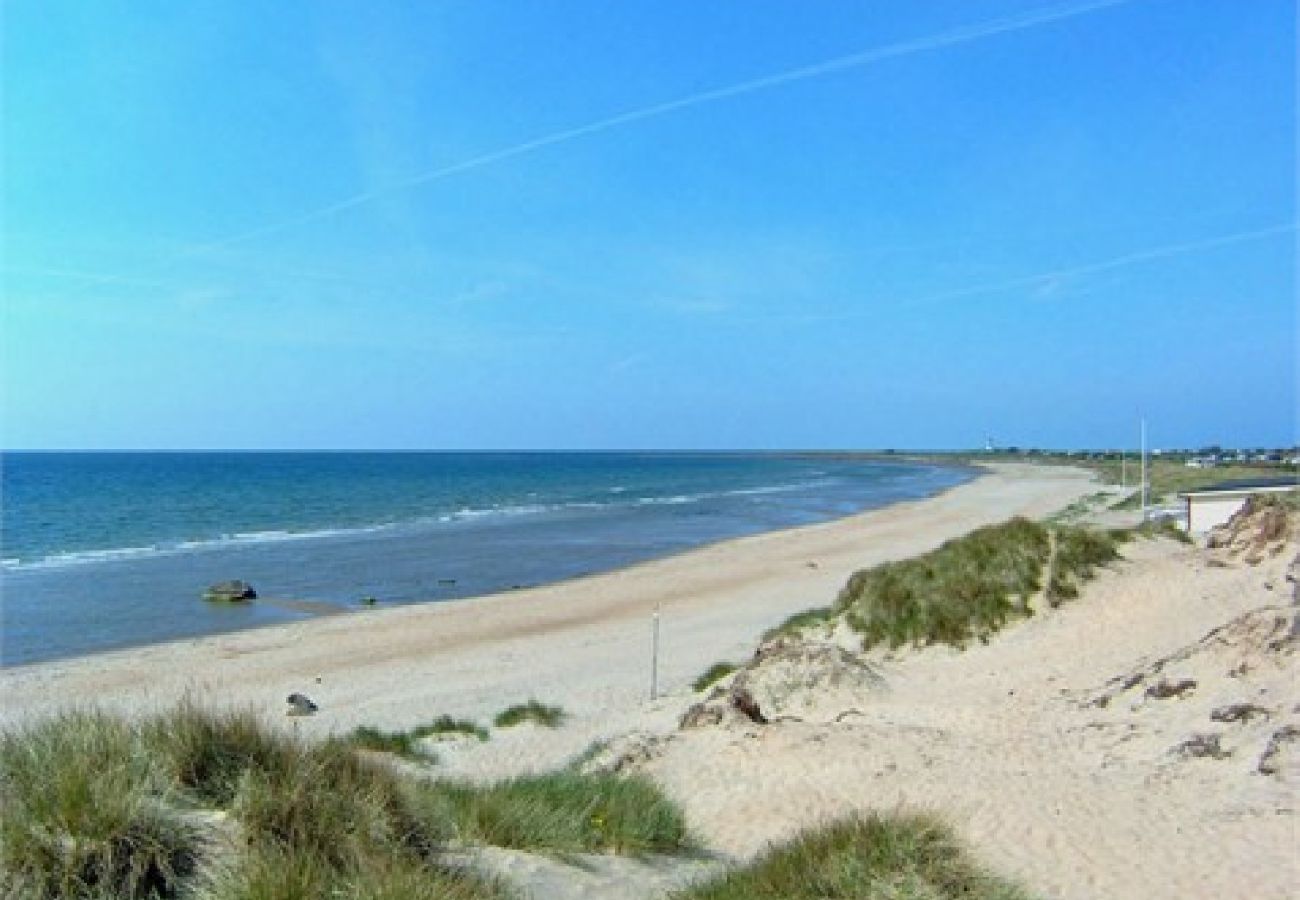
(104, 550)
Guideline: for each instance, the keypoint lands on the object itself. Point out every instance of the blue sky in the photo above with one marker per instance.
(493, 225)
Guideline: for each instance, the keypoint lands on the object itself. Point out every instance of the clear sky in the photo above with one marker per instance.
(648, 223)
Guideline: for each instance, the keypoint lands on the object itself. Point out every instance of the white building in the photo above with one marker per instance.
(1211, 507)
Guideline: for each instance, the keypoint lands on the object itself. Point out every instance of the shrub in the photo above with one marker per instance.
(80, 819)
(566, 812)
(873, 857)
(532, 711)
(714, 673)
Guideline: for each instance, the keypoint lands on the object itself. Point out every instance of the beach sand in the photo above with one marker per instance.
(1011, 742)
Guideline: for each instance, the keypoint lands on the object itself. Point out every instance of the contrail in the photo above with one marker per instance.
(964, 35)
(1117, 262)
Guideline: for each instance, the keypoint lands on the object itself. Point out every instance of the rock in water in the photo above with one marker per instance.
(230, 592)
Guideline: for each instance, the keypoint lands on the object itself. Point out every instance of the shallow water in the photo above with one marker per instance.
(111, 550)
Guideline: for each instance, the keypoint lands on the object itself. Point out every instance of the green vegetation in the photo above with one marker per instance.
(220, 806)
(967, 588)
(809, 618)
(565, 812)
(532, 711)
(79, 819)
(206, 753)
(713, 674)
(874, 857)
(972, 586)
(407, 743)
(1167, 477)
(448, 725)
(398, 743)
(1076, 555)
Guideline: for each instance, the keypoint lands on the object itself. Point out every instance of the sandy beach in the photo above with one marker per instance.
(1050, 749)
(583, 643)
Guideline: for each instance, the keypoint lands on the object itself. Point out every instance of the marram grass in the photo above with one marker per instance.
(532, 711)
(566, 812)
(712, 675)
(195, 804)
(972, 586)
(869, 857)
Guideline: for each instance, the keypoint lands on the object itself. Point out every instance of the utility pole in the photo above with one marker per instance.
(1123, 469)
(1144, 470)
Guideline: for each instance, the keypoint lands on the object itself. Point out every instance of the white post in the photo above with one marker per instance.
(654, 655)
(1123, 470)
(1144, 470)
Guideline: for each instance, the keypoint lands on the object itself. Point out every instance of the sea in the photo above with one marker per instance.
(109, 550)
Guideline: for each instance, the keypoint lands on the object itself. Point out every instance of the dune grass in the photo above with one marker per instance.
(872, 857)
(218, 805)
(399, 743)
(800, 621)
(712, 675)
(972, 586)
(532, 711)
(80, 815)
(408, 743)
(967, 588)
(206, 752)
(566, 812)
(1077, 553)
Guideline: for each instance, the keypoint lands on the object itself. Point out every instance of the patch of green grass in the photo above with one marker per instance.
(800, 621)
(565, 812)
(336, 807)
(873, 857)
(207, 752)
(398, 743)
(1162, 527)
(272, 873)
(407, 743)
(532, 711)
(713, 674)
(967, 588)
(1078, 552)
(81, 816)
(449, 725)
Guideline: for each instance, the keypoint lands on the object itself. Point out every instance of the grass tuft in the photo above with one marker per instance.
(872, 857)
(81, 816)
(565, 812)
(800, 621)
(399, 743)
(208, 752)
(449, 725)
(1077, 554)
(713, 674)
(532, 711)
(337, 807)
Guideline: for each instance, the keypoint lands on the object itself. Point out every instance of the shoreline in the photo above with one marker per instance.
(757, 580)
(58, 612)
